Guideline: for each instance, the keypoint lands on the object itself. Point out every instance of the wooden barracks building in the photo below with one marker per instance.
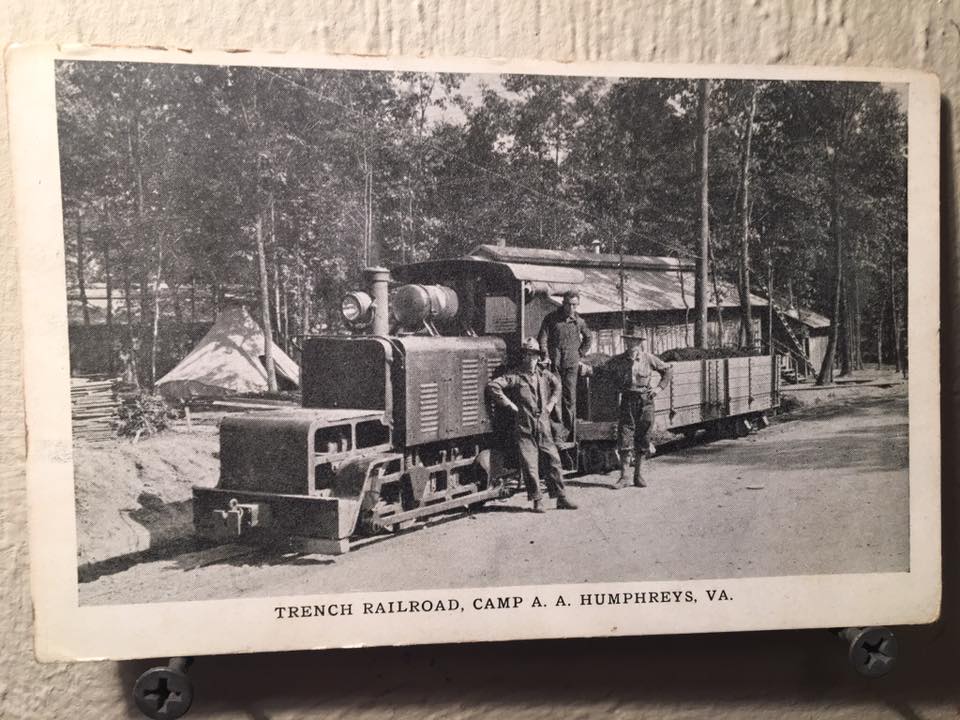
(658, 298)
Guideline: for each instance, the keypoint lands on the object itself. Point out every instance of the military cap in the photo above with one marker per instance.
(530, 345)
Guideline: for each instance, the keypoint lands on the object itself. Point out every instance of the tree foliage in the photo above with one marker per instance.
(166, 169)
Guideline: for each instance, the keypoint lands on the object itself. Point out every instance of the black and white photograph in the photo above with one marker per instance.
(432, 332)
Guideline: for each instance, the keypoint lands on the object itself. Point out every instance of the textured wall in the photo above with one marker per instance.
(790, 674)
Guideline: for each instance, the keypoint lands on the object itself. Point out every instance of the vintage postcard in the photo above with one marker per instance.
(336, 351)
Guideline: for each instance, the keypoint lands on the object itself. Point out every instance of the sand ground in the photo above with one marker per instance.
(822, 490)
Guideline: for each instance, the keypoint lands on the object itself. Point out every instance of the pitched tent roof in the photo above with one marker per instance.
(227, 361)
(651, 283)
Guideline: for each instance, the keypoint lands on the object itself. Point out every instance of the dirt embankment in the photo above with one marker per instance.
(133, 497)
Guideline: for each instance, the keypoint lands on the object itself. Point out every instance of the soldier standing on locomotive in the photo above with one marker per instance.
(564, 339)
(634, 367)
(531, 393)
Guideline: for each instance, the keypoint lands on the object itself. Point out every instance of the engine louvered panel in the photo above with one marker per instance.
(470, 391)
(429, 408)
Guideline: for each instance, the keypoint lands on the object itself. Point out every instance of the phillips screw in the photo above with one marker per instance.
(165, 693)
(871, 650)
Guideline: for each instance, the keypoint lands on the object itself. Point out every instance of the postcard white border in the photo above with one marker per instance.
(66, 631)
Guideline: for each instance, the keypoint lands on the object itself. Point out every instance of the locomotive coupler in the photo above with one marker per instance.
(240, 518)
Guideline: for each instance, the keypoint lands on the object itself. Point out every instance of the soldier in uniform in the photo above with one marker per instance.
(531, 393)
(634, 368)
(564, 339)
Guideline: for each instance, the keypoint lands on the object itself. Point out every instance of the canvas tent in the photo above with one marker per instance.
(227, 360)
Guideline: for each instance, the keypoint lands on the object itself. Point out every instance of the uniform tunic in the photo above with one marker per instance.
(635, 368)
(565, 340)
(532, 392)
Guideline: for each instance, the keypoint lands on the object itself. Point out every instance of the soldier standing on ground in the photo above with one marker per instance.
(564, 339)
(634, 368)
(531, 393)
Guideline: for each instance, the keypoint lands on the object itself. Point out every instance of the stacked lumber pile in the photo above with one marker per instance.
(94, 406)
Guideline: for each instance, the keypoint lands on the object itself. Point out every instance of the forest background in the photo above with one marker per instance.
(187, 187)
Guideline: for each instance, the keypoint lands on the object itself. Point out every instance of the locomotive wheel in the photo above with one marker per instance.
(594, 460)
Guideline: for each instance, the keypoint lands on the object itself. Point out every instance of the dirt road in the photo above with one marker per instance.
(825, 492)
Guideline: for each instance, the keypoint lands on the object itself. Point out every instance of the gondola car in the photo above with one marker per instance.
(395, 425)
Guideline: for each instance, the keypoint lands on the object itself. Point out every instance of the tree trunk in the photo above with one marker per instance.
(128, 303)
(770, 349)
(275, 262)
(366, 209)
(144, 301)
(880, 336)
(286, 313)
(702, 318)
(136, 162)
(108, 288)
(686, 306)
(857, 321)
(156, 313)
(716, 294)
(844, 341)
(177, 307)
(746, 320)
(411, 225)
(301, 288)
(81, 261)
(265, 309)
(307, 304)
(108, 283)
(826, 370)
(895, 318)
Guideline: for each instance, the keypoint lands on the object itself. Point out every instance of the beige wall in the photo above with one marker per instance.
(783, 675)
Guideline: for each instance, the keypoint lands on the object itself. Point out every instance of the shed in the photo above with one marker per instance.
(658, 296)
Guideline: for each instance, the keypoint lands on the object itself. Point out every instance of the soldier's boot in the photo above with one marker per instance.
(538, 505)
(638, 480)
(624, 469)
(563, 503)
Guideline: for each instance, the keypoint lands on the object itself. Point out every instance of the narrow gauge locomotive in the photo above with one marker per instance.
(395, 425)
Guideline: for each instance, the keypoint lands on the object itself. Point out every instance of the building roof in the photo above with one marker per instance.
(580, 258)
(650, 283)
(808, 317)
(651, 290)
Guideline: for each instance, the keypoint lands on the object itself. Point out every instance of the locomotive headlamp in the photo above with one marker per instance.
(357, 308)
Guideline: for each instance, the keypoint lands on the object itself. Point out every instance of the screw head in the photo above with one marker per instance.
(163, 693)
(873, 651)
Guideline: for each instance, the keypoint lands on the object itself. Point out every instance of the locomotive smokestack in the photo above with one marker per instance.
(378, 278)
